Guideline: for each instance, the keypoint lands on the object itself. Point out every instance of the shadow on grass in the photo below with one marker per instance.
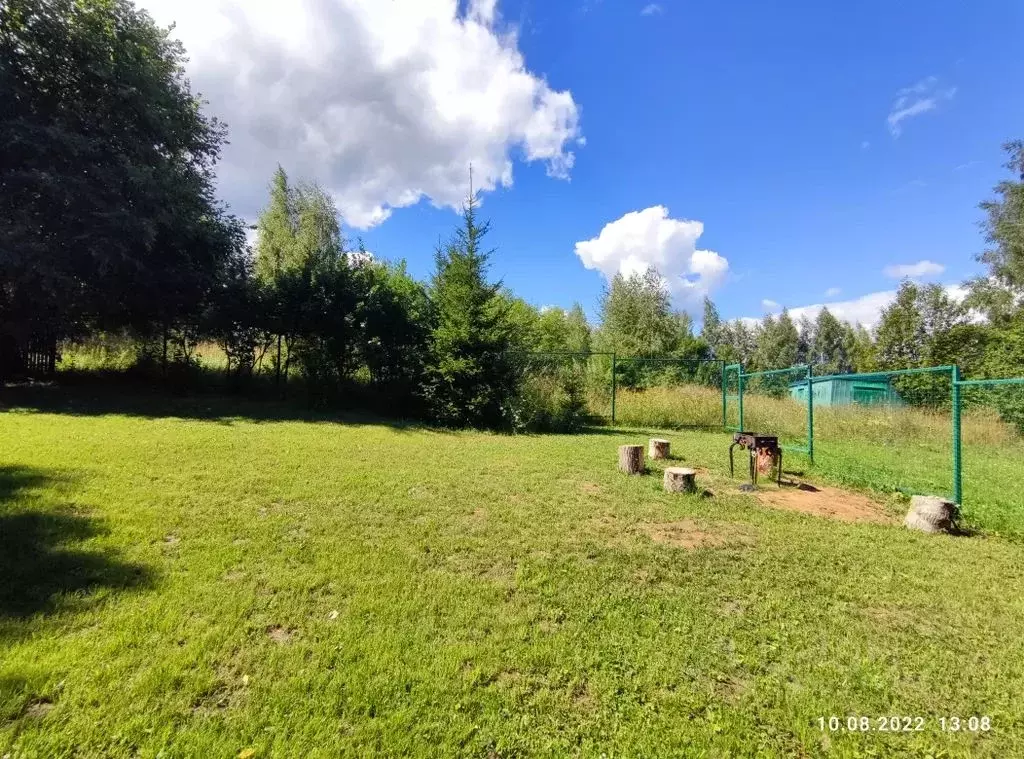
(620, 431)
(40, 565)
(153, 402)
(81, 397)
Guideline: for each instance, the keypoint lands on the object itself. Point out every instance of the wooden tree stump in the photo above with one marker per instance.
(931, 514)
(680, 480)
(631, 459)
(658, 448)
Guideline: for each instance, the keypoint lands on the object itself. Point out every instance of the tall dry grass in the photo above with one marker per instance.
(696, 406)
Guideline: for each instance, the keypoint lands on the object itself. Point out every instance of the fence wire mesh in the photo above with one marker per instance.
(559, 392)
(669, 393)
(777, 402)
(991, 435)
(890, 431)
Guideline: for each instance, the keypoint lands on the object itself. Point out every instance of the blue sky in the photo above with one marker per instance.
(769, 125)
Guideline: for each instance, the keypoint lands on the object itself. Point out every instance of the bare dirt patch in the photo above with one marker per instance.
(822, 501)
(582, 697)
(689, 535)
(39, 709)
(280, 635)
(898, 618)
(732, 607)
(731, 689)
(589, 488)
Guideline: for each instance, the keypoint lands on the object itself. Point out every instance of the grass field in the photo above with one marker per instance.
(207, 578)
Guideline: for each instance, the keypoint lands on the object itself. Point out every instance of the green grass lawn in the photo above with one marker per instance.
(181, 582)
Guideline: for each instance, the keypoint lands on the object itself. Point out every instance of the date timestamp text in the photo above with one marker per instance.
(903, 724)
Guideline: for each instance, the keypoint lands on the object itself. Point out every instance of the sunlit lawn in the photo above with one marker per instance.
(183, 586)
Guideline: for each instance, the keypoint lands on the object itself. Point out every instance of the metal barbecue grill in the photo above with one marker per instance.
(760, 449)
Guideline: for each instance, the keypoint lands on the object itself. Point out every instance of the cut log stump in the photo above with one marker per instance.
(680, 480)
(658, 448)
(931, 514)
(631, 459)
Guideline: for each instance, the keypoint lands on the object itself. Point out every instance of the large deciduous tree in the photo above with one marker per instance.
(778, 343)
(829, 350)
(637, 319)
(395, 323)
(636, 316)
(107, 209)
(914, 324)
(1000, 294)
(915, 332)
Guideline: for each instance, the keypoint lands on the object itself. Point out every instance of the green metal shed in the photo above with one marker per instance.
(844, 391)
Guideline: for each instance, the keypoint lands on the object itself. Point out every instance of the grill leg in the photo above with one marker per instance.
(732, 471)
(779, 477)
(753, 467)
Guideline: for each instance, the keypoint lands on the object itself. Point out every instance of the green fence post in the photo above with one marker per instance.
(957, 473)
(739, 375)
(810, 413)
(725, 417)
(613, 387)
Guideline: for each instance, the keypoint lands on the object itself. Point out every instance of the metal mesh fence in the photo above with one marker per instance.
(991, 424)
(732, 397)
(669, 393)
(562, 391)
(778, 403)
(889, 431)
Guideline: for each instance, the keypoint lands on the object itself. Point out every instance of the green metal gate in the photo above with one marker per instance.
(732, 396)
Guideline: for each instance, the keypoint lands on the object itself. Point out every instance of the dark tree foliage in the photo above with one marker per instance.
(233, 318)
(395, 319)
(107, 210)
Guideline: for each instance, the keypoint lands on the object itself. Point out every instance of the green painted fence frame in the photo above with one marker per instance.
(958, 384)
(808, 371)
(956, 404)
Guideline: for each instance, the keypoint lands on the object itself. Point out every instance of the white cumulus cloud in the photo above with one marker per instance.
(770, 305)
(866, 310)
(923, 268)
(912, 101)
(652, 9)
(832, 292)
(384, 102)
(641, 239)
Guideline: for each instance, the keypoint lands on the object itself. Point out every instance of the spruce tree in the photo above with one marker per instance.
(469, 378)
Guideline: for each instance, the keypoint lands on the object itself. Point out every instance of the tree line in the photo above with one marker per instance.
(109, 224)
